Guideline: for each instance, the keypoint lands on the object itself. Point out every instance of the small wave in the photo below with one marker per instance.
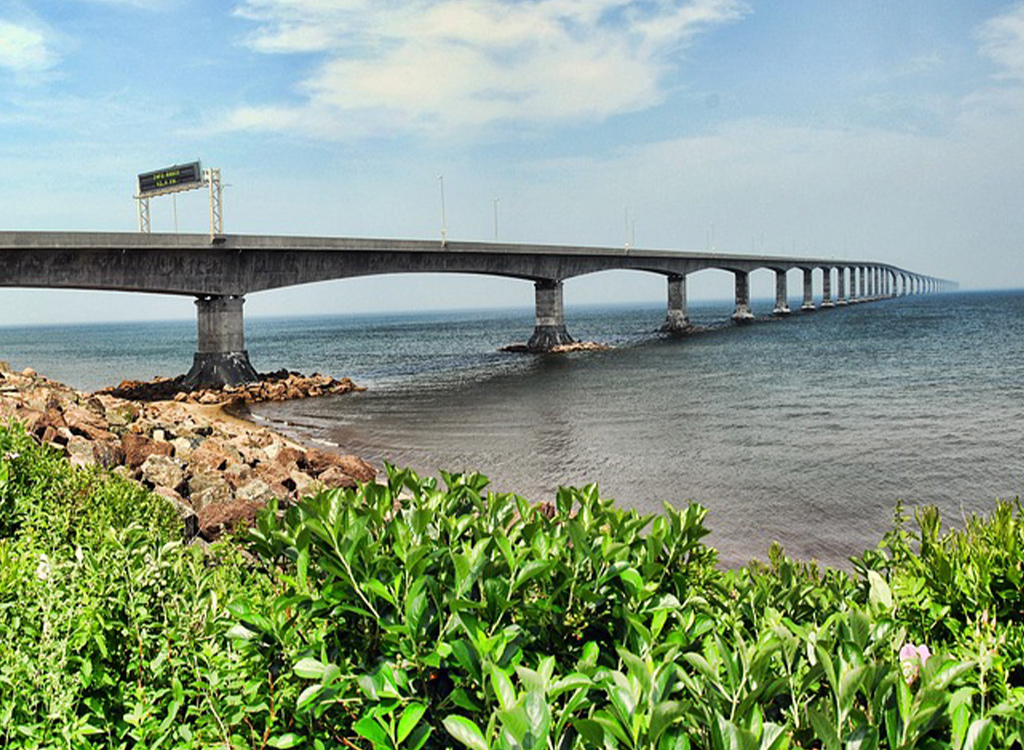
(321, 441)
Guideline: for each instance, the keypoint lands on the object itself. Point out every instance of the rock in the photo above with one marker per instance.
(287, 457)
(108, 453)
(162, 471)
(238, 474)
(211, 454)
(189, 518)
(182, 448)
(28, 372)
(214, 494)
(219, 518)
(279, 480)
(357, 468)
(138, 448)
(52, 436)
(52, 417)
(304, 483)
(318, 461)
(203, 480)
(29, 417)
(256, 491)
(333, 477)
(80, 451)
(121, 414)
(87, 424)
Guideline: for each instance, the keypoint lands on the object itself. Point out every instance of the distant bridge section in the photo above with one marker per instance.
(219, 272)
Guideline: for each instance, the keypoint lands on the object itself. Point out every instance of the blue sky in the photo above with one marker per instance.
(861, 129)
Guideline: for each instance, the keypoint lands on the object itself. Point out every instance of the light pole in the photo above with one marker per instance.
(496, 200)
(444, 220)
(625, 219)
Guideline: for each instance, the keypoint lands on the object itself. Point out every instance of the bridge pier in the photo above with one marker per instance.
(826, 288)
(549, 329)
(840, 286)
(742, 312)
(676, 320)
(808, 305)
(221, 358)
(781, 293)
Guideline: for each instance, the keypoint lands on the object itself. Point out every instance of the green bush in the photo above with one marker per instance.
(418, 615)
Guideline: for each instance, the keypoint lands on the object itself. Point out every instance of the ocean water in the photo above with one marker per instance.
(805, 430)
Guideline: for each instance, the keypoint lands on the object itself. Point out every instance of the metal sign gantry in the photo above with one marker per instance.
(179, 179)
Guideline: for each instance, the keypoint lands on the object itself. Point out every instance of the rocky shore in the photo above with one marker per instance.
(216, 468)
(576, 346)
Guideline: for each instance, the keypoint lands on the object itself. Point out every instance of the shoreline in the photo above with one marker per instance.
(199, 452)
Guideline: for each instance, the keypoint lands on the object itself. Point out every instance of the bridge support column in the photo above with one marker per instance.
(781, 293)
(808, 305)
(826, 288)
(549, 330)
(742, 312)
(840, 286)
(676, 321)
(221, 358)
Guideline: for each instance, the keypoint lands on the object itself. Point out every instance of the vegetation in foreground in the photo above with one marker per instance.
(410, 616)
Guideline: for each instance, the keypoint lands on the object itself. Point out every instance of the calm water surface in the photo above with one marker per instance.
(805, 431)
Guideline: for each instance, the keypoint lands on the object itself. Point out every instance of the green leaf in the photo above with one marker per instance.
(823, 729)
(979, 735)
(289, 739)
(863, 738)
(735, 738)
(880, 594)
(410, 718)
(310, 669)
(591, 732)
(662, 717)
(465, 731)
(503, 689)
(572, 681)
(527, 573)
(369, 728)
(775, 737)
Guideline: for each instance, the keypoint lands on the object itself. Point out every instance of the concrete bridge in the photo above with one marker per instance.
(219, 271)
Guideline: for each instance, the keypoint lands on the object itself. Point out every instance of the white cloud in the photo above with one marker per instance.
(443, 65)
(24, 49)
(1002, 41)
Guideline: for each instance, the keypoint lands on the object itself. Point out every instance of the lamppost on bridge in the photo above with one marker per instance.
(444, 220)
(496, 200)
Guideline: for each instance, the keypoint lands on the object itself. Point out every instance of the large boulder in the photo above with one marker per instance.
(256, 491)
(213, 454)
(137, 448)
(318, 461)
(88, 425)
(162, 471)
(218, 518)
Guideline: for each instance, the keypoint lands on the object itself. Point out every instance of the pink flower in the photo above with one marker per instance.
(912, 659)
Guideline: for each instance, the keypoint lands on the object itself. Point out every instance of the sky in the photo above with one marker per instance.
(857, 129)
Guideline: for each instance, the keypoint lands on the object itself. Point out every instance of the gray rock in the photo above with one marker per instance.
(162, 471)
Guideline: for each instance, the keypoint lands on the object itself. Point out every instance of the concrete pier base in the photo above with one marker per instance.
(826, 288)
(781, 293)
(840, 287)
(808, 305)
(549, 330)
(742, 312)
(676, 319)
(221, 358)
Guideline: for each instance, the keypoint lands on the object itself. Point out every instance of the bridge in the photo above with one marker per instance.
(220, 270)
